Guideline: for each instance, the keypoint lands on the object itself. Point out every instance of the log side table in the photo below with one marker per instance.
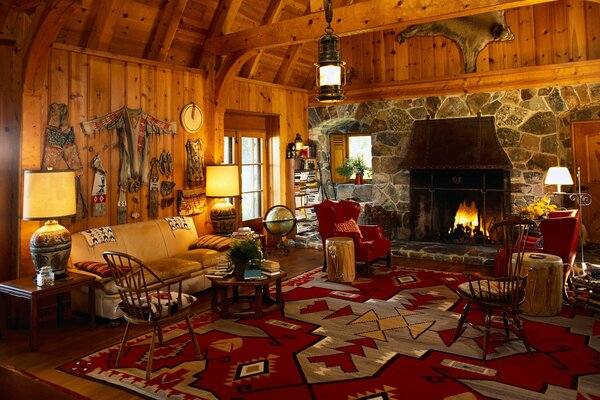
(341, 264)
(545, 285)
(260, 301)
(27, 289)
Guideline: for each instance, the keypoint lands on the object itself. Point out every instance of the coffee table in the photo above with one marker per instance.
(259, 303)
(27, 289)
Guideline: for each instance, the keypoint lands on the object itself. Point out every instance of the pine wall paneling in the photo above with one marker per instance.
(92, 86)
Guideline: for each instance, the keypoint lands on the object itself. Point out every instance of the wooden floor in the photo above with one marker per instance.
(59, 345)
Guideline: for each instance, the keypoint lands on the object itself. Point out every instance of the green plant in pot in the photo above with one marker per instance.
(354, 166)
(244, 253)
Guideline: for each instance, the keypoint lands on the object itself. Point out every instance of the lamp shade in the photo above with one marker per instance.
(558, 176)
(48, 194)
(222, 180)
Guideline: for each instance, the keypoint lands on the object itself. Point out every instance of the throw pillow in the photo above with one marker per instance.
(349, 226)
(99, 268)
(214, 242)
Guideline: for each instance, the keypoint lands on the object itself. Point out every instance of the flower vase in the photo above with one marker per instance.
(358, 179)
(238, 270)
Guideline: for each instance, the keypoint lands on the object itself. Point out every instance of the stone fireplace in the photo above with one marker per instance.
(459, 179)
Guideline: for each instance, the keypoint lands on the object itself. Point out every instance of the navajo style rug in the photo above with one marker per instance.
(388, 337)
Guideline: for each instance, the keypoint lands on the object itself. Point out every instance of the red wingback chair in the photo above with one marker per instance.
(371, 246)
(560, 232)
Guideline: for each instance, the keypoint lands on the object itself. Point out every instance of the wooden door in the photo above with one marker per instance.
(586, 155)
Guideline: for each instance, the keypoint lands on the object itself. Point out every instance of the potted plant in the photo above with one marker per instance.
(244, 253)
(354, 166)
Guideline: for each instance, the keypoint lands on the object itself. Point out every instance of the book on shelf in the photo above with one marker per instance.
(269, 265)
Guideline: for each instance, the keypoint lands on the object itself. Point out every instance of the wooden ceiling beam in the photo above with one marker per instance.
(368, 16)
(272, 14)
(5, 8)
(39, 43)
(571, 73)
(167, 29)
(229, 70)
(284, 73)
(220, 24)
(104, 25)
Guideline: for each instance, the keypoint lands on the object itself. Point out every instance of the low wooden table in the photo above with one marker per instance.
(545, 286)
(260, 302)
(341, 263)
(27, 289)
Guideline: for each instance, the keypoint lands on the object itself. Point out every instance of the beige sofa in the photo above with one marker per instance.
(164, 249)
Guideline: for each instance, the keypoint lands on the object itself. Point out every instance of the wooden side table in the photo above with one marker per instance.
(27, 289)
(341, 264)
(260, 302)
(544, 288)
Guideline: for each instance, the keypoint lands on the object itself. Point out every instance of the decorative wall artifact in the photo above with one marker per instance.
(191, 118)
(134, 128)
(60, 144)
(195, 162)
(191, 201)
(98, 187)
(153, 189)
(471, 33)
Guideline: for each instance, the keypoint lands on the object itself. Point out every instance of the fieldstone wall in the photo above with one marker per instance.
(533, 126)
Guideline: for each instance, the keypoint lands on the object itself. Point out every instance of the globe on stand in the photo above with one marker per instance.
(280, 221)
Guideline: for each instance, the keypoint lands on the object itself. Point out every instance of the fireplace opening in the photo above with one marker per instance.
(457, 206)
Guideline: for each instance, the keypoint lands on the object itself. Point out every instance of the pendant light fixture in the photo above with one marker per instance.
(330, 69)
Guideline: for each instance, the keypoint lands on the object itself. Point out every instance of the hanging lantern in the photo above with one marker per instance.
(330, 69)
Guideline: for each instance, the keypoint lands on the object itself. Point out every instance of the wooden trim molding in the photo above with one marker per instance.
(572, 73)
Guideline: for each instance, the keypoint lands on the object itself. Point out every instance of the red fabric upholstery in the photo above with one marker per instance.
(561, 236)
(371, 246)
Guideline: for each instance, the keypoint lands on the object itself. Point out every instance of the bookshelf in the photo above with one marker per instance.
(306, 194)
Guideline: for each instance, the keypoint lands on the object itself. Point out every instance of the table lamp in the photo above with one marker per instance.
(558, 176)
(49, 195)
(222, 181)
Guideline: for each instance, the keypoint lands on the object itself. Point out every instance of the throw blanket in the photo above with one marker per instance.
(177, 223)
(97, 236)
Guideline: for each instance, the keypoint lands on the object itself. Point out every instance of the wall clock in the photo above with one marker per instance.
(191, 118)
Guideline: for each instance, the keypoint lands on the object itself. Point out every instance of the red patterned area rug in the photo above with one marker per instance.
(388, 337)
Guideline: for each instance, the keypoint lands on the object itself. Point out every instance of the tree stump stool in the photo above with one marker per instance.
(339, 252)
(545, 285)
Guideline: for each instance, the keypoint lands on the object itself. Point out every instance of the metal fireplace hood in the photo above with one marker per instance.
(455, 143)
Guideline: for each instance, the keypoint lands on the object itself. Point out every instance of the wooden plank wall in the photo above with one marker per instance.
(551, 33)
(93, 86)
(288, 112)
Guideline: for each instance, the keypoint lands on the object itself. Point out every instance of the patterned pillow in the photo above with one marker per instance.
(214, 242)
(99, 268)
(349, 226)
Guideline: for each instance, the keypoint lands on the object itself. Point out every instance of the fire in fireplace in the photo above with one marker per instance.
(457, 205)
(459, 179)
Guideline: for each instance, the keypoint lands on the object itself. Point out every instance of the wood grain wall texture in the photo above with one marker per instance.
(93, 86)
(551, 33)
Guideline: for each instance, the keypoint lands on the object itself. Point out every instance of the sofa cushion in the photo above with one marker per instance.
(214, 242)
(167, 268)
(206, 257)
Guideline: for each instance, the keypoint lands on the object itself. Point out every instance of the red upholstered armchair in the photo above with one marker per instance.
(560, 232)
(371, 246)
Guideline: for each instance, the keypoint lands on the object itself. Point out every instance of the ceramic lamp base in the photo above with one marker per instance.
(223, 217)
(51, 246)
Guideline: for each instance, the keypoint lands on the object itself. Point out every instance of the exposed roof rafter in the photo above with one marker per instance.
(368, 16)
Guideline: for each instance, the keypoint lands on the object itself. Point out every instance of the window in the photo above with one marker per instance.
(249, 148)
(343, 146)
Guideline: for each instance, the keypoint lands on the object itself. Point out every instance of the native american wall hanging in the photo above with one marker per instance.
(134, 129)
(59, 145)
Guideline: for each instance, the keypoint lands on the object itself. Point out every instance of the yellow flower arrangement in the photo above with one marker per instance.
(538, 209)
